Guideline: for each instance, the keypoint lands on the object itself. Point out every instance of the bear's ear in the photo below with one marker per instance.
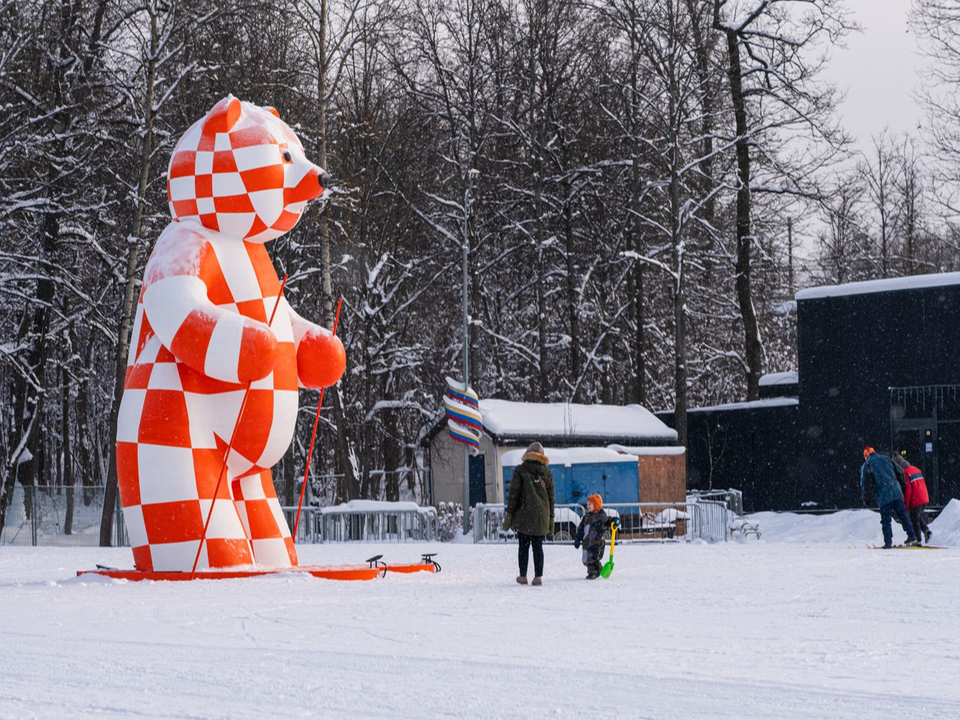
(223, 116)
(272, 111)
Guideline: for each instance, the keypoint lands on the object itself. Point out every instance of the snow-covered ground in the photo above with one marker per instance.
(806, 623)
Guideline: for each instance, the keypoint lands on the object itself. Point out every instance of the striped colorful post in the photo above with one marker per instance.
(462, 407)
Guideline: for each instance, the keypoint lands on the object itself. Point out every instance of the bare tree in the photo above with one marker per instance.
(156, 29)
(333, 33)
(772, 71)
(880, 172)
(843, 245)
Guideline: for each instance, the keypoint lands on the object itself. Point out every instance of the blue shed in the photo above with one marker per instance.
(580, 472)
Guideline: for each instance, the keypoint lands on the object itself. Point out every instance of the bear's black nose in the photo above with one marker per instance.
(324, 179)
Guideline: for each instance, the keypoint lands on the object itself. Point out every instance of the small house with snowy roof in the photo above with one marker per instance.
(584, 434)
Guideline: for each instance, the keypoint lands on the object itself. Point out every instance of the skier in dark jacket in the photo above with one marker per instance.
(591, 534)
(915, 496)
(889, 496)
(530, 509)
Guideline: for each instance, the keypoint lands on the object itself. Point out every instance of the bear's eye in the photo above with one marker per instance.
(287, 157)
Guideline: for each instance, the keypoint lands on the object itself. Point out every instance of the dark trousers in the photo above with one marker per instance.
(524, 555)
(592, 557)
(886, 512)
(919, 520)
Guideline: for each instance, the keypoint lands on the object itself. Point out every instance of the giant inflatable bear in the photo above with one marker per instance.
(201, 340)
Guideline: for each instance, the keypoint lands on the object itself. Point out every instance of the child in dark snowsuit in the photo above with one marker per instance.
(590, 534)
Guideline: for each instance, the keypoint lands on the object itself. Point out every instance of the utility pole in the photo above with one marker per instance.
(471, 174)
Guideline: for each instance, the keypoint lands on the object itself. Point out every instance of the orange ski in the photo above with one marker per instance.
(326, 572)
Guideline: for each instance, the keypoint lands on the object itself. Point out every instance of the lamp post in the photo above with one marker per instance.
(471, 174)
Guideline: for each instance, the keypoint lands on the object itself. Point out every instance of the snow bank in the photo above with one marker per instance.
(502, 417)
(845, 526)
(851, 527)
(946, 528)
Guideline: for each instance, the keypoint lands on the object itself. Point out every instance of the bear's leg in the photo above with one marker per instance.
(259, 508)
(166, 493)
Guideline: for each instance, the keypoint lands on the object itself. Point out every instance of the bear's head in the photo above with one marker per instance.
(241, 171)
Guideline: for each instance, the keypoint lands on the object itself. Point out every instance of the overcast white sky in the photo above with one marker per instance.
(879, 71)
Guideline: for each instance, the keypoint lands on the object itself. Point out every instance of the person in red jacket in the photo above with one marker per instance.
(915, 496)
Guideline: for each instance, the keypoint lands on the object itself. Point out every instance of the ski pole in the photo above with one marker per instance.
(313, 439)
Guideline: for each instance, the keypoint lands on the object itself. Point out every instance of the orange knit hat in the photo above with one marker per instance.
(867, 452)
(597, 502)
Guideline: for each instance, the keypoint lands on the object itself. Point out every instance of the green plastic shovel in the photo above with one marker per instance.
(608, 565)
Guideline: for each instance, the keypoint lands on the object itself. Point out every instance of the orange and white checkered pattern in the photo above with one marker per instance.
(200, 341)
(241, 171)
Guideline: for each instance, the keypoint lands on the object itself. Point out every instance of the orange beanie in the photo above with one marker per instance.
(597, 501)
(867, 452)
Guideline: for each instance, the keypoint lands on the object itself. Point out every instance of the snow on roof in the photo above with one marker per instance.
(572, 456)
(780, 378)
(654, 450)
(554, 420)
(756, 404)
(874, 286)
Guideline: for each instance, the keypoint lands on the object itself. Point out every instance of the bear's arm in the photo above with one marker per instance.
(221, 344)
(320, 355)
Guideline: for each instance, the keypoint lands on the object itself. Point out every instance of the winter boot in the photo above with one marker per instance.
(927, 536)
(912, 542)
(537, 580)
(522, 579)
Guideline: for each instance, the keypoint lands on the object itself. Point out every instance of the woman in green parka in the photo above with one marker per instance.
(530, 509)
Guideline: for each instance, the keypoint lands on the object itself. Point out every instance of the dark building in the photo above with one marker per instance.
(879, 364)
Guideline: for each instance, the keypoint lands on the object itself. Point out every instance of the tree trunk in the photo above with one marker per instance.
(85, 456)
(753, 353)
(33, 469)
(392, 456)
(536, 163)
(573, 297)
(67, 478)
(542, 376)
(349, 487)
(129, 296)
(636, 195)
(290, 475)
(702, 50)
(677, 242)
(21, 402)
(639, 339)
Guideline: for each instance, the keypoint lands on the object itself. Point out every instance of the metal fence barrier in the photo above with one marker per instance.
(732, 498)
(60, 516)
(488, 523)
(738, 523)
(307, 529)
(639, 522)
(375, 525)
(70, 516)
